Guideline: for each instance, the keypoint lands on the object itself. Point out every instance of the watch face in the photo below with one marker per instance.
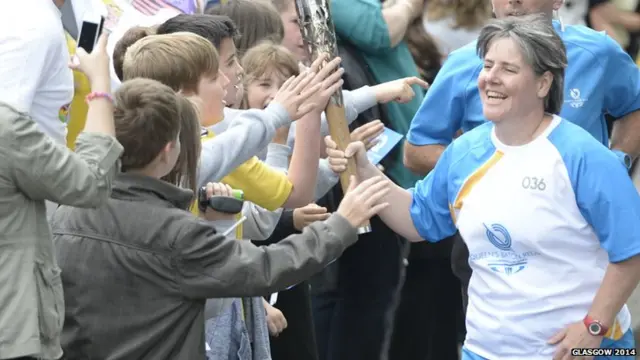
(595, 328)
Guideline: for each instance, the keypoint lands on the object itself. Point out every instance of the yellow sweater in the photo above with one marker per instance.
(261, 184)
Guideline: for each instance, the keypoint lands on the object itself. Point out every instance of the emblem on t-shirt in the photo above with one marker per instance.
(63, 113)
(505, 260)
(575, 100)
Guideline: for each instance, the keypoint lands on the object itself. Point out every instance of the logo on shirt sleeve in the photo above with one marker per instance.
(505, 260)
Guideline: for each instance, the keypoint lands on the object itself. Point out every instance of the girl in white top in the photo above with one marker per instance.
(549, 214)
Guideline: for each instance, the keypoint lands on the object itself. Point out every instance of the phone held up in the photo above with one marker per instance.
(92, 25)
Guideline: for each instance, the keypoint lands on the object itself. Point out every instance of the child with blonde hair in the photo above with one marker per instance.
(267, 65)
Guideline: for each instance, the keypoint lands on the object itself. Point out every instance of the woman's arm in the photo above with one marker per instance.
(619, 281)
(399, 16)
(610, 203)
(397, 215)
(416, 214)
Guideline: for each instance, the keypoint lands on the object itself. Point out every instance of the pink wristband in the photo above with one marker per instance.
(98, 94)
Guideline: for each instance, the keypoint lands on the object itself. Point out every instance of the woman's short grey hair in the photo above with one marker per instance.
(541, 48)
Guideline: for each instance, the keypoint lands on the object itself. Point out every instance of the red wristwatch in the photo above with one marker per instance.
(594, 327)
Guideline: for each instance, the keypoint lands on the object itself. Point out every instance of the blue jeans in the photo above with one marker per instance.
(626, 342)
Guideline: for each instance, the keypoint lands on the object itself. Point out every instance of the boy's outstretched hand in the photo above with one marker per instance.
(398, 90)
(363, 201)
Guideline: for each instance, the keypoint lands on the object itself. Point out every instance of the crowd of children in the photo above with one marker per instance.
(221, 119)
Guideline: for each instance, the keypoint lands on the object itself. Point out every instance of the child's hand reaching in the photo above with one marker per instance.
(368, 133)
(398, 90)
(308, 215)
(296, 92)
(275, 320)
(329, 76)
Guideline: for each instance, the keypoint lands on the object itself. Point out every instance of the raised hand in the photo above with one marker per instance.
(95, 65)
(308, 215)
(338, 159)
(363, 201)
(368, 133)
(294, 92)
(398, 90)
(329, 76)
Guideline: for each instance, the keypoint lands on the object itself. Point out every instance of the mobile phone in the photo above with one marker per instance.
(90, 31)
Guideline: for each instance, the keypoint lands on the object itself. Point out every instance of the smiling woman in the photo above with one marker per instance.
(548, 213)
(522, 74)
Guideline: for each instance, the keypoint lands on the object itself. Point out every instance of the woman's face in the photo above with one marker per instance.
(504, 8)
(260, 91)
(508, 86)
(212, 91)
(292, 36)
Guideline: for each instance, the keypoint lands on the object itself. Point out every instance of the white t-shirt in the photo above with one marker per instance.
(34, 60)
(446, 37)
(542, 222)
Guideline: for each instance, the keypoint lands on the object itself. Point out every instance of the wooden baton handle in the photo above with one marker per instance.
(339, 130)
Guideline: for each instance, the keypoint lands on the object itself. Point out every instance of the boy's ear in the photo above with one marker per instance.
(166, 150)
(187, 93)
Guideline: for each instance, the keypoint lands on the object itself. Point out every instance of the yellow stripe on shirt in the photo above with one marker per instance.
(473, 179)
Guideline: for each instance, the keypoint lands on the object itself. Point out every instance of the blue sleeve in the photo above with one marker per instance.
(360, 22)
(622, 92)
(442, 111)
(608, 201)
(430, 203)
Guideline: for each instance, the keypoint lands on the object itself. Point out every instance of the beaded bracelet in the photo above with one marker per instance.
(98, 94)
